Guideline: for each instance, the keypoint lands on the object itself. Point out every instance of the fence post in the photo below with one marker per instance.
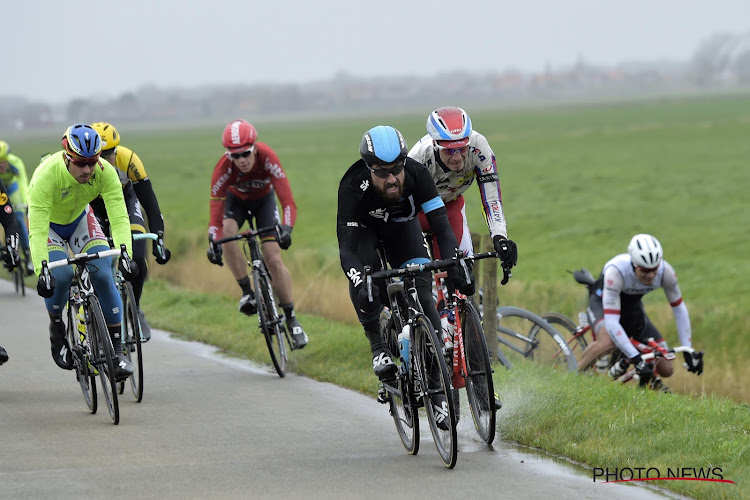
(489, 298)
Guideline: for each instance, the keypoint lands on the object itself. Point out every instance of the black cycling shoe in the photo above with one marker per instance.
(298, 335)
(59, 346)
(383, 365)
(3, 355)
(123, 367)
(247, 305)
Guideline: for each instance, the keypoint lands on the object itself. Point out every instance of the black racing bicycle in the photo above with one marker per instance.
(270, 322)
(423, 379)
(88, 336)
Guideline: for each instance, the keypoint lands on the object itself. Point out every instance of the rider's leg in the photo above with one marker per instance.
(282, 285)
(602, 345)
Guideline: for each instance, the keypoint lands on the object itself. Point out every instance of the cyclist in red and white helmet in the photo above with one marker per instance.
(245, 183)
(617, 314)
(455, 155)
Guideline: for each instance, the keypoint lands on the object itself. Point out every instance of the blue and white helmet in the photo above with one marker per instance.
(382, 144)
(645, 251)
(82, 142)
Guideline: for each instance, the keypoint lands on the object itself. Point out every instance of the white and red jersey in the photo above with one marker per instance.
(265, 175)
(621, 284)
(480, 164)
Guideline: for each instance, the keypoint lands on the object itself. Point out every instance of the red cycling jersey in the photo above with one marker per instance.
(265, 175)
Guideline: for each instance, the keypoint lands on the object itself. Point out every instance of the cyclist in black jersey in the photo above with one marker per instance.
(8, 221)
(379, 198)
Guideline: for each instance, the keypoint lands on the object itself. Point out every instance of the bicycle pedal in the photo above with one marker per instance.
(382, 395)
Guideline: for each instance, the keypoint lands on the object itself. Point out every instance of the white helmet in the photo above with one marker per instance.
(645, 251)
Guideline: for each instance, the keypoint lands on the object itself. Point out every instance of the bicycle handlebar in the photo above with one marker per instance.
(251, 233)
(80, 258)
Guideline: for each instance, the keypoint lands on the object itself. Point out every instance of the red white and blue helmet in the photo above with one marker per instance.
(449, 126)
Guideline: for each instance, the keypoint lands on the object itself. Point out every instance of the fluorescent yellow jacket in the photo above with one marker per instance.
(55, 196)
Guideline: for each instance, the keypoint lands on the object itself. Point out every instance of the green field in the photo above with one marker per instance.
(577, 183)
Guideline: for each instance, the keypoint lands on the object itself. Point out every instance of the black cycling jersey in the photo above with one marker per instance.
(361, 208)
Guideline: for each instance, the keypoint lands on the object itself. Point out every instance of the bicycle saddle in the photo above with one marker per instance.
(583, 276)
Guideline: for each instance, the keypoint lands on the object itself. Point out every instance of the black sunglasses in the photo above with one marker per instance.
(243, 154)
(383, 173)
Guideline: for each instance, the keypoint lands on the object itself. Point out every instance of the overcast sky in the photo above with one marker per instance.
(55, 50)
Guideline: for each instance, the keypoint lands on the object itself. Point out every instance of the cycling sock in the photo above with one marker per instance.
(55, 320)
(245, 285)
(288, 310)
(114, 332)
(376, 341)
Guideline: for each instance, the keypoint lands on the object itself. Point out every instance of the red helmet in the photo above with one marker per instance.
(238, 136)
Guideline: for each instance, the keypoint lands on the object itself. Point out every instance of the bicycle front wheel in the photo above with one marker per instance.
(131, 340)
(401, 399)
(527, 334)
(437, 389)
(480, 389)
(18, 273)
(83, 370)
(270, 322)
(103, 353)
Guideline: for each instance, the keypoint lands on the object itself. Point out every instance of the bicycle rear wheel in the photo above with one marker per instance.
(401, 400)
(131, 341)
(103, 353)
(437, 389)
(270, 322)
(577, 344)
(480, 389)
(83, 370)
(524, 333)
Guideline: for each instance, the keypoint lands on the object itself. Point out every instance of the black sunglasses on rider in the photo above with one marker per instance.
(383, 173)
(243, 154)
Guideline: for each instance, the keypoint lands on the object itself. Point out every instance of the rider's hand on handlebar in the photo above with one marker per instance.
(45, 287)
(643, 370)
(161, 252)
(694, 362)
(11, 253)
(127, 266)
(214, 253)
(367, 307)
(285, 237)
(459, 281)
(506, 250)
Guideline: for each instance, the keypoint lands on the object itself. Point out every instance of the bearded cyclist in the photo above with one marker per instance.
(378, 201)
(615, 305)
(13, 175)
(60, 218)
(10, 226)
(455, 155)
(138, 192)
(244, 185)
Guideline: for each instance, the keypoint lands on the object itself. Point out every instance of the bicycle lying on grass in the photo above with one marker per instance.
(423, 379)
(88, 336)
(16, 270)
(270, 322)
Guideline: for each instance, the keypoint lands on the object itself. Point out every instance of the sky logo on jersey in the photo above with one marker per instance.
(365, 184)
(355, 276)
(380, 213)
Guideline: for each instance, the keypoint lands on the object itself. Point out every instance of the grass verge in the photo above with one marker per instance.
(585, 418)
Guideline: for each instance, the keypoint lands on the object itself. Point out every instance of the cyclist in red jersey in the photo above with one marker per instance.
(244, 185)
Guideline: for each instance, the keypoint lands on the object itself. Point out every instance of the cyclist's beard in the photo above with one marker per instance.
(390, 195)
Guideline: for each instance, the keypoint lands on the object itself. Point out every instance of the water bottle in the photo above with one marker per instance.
(403, 345)
(447, 322)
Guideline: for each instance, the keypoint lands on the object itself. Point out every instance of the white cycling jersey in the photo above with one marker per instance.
(480, 163)
(620, 282)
